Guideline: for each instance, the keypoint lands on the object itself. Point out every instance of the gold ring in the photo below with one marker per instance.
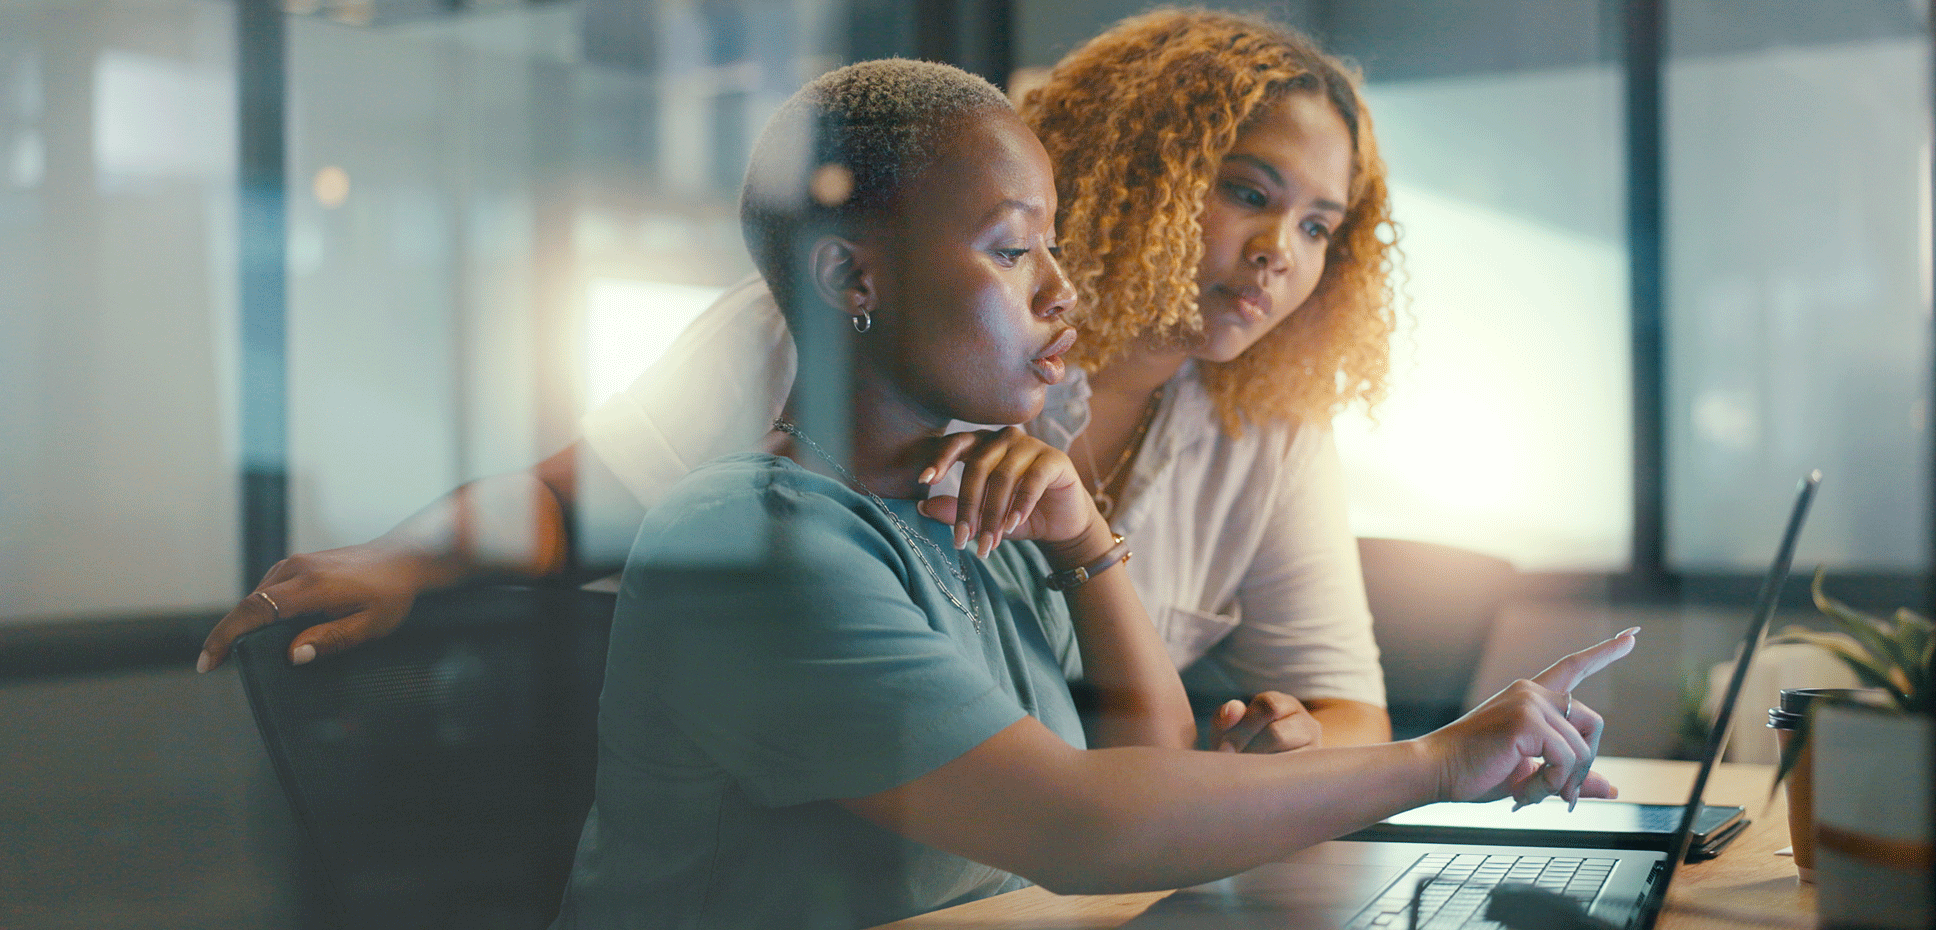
(266, 599)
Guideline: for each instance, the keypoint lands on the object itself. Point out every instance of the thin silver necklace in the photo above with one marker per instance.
(972, 609)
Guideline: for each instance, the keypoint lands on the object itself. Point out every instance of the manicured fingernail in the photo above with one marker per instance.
(302, 654)
(1572, 803)
(204, 662)
(1627, 632)
(1227, 747)
(986, 545)
(961, 535)
(927, 476)
(1014, 520)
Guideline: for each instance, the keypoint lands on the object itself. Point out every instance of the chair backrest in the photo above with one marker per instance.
(440, 776)
(1433, 609)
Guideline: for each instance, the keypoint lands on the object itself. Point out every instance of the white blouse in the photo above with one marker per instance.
(1242, 552)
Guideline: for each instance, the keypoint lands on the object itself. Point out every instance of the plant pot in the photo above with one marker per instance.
(1872, 797)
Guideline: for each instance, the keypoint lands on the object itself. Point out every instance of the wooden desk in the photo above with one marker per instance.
(1747, 886)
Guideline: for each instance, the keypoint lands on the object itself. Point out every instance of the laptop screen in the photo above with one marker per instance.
(1717, 739)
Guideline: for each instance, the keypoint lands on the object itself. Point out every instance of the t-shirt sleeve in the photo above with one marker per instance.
(1307, 627)
(715, 392)
(815, 676)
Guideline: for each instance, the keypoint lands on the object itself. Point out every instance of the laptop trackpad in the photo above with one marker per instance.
(1323, 886)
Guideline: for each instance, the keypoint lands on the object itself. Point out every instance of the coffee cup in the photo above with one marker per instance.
(1786, 720)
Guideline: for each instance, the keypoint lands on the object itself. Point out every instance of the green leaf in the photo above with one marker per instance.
(1867, 630)
(1894, 655)
(1896, 648)
(1791, 753)
(1929, 676)
(1907, 617)
(1871, 673)
(1916, 634)
(1796, 633)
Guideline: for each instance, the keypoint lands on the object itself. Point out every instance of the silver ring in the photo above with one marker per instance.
(266, 599)
(1567, 713)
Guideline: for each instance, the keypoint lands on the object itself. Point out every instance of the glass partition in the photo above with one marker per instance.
(1509, 428)
(1509, 425)
(495, 217)
(497, 220)
(117, 308)
(1798, 323)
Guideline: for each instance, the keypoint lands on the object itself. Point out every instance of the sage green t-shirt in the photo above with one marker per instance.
(779, 643)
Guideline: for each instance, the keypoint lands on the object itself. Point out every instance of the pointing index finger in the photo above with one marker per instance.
(1567, 673)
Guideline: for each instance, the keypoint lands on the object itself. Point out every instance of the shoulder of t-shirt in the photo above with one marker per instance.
(745, 491)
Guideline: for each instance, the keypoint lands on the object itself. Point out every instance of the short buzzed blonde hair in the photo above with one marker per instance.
(841, 149)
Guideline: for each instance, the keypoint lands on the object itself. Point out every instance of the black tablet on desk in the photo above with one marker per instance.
(1615, 824)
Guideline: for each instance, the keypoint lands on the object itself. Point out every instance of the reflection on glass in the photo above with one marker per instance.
(629, 325)
(1508, 426)
(117, 308)
(1798, 314)
(544, 195)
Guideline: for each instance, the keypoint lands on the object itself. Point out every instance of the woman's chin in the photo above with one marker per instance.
(1220, 342)
(1008, 412)
(1218, 351)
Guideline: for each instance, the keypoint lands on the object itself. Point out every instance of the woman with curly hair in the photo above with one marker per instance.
(1222, 207)
(1222, 210)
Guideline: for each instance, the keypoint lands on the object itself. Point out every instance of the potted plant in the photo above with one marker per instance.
(1871, 768)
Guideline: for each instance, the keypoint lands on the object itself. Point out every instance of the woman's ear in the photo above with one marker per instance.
(841, 278)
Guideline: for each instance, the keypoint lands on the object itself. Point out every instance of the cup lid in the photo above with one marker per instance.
(1798, 700)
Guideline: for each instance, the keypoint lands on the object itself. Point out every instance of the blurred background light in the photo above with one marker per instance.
(160, 118)
(629, 325)
(331, 186)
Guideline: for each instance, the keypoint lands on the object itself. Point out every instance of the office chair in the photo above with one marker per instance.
(1433, 609)
(439, 776)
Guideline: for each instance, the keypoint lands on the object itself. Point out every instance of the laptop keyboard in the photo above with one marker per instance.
(1456, 897)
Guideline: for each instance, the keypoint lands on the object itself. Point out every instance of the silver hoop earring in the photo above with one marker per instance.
(862, 323)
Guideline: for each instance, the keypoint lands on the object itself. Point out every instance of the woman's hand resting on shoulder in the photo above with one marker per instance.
(1531, 740)
(1014, 486)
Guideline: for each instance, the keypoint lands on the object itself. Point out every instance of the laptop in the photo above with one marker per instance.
(1394, 885)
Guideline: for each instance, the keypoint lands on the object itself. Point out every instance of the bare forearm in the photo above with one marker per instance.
(502, 525)
(512, 524)
(1141, 701)
(1350, 723)
(1168, 820)
(1144, 818)
(1137, 818)
(1140, 698)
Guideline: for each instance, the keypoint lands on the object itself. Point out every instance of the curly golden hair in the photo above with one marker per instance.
(1137, 122)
